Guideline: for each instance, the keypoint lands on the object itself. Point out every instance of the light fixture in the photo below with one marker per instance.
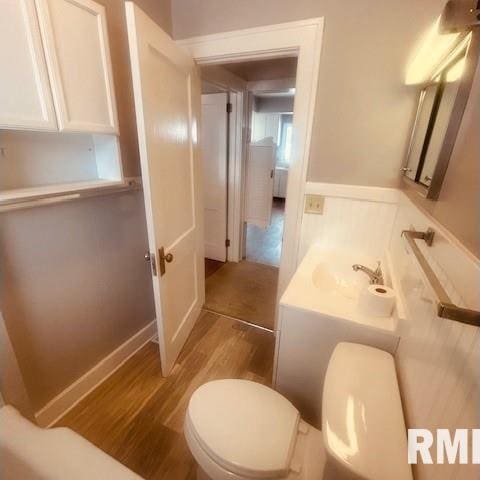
(431, 53)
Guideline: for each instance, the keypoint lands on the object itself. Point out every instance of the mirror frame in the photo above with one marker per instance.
(472, 52)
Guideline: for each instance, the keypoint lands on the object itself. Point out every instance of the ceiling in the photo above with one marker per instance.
(272, 69)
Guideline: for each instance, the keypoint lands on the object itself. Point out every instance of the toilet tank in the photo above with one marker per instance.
(362, 418)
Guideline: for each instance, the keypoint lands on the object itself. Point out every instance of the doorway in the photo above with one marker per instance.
(246, 287)
(167, 125)
(271, 123)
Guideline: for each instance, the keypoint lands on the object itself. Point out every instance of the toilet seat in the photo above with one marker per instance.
(228, 422)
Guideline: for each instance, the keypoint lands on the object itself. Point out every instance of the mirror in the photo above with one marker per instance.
(440, 109)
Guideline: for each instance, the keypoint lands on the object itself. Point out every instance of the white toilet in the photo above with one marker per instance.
(242, 430)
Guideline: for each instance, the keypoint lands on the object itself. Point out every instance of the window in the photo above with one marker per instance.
(285, 146)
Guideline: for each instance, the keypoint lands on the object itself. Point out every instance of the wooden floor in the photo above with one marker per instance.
(136, 416)
(211, 266)
(244, 290)
(264, 245)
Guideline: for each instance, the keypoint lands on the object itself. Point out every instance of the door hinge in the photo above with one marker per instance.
(227, 242)
(229, 107)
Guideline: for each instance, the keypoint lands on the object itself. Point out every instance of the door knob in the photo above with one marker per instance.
(164, 257)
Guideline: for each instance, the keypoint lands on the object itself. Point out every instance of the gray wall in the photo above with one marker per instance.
(363, 110)
(74, 285)
(273, 104)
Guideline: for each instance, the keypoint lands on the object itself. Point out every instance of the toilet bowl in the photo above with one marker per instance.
(242, 430)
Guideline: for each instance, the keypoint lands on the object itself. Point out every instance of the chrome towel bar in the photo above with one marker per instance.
(445, 307)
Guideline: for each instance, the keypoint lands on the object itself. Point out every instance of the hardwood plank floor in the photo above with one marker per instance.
(244, 290)
(136, 415)
(211, 266)
(264, 245)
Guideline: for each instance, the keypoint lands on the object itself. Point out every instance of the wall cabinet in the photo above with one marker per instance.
(58, 118)
(59, 74)
(25, 94)
(75, 38)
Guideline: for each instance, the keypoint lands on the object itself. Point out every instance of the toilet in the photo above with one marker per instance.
(242, 430)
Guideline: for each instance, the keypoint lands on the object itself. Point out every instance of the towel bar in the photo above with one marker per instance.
(445, 307)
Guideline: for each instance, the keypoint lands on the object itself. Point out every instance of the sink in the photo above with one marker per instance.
(338, 278)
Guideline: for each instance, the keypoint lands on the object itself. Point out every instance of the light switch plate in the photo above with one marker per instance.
(314, 203)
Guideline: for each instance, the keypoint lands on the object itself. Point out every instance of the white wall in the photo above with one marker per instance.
(354, 218)
(438, 360)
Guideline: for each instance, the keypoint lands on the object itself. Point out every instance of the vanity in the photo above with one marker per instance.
(319, 309)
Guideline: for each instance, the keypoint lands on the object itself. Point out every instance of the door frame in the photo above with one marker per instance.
(235, 176)
(300, 38)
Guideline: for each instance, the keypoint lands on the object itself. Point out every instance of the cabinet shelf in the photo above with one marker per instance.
(17, 195)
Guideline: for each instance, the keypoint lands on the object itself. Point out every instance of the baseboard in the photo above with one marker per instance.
(67, 399)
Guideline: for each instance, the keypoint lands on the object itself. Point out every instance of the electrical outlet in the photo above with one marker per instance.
(314, 204)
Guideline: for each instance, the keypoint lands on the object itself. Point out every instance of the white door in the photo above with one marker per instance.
(167, 103)
(214, 158)
(25, 95)
(78, 58)
(259, 182)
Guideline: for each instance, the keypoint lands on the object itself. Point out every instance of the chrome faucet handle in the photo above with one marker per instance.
(378, 273)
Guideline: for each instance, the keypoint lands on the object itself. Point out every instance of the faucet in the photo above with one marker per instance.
(376, 276)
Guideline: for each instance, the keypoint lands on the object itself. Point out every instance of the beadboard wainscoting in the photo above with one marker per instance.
(438, 360)
(354, 218)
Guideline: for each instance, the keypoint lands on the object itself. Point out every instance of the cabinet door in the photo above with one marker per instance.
(75, 38)
(283, 184)
(25, 96)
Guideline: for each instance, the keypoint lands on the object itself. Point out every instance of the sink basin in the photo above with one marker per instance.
(326, 283)
(338, 278)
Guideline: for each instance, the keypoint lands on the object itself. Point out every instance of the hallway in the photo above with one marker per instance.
(243, 290)
(265, 245)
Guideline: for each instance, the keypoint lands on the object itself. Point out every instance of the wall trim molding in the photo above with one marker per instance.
(357, 192)
(73, 394)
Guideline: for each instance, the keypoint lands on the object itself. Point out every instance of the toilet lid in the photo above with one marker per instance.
(247, 428)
